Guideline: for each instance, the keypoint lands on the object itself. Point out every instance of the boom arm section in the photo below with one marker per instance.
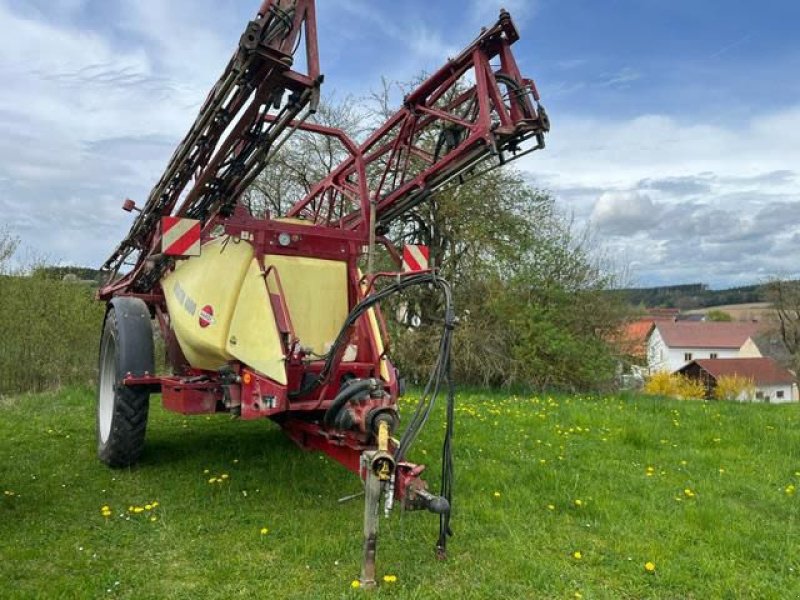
(231, 140)
(466, 119)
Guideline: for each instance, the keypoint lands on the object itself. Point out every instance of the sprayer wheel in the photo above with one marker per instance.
(125, 347)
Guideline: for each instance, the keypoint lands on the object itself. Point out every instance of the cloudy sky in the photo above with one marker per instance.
(676, 124)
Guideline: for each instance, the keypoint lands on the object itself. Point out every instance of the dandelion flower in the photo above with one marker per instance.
(264, 531)
(138, 509)
(577, 555)
(148, 507)
(497, 494)
(153, 519)
(224, 476)
(390, 578)
(154, 504)
(212, 480)
(789, 489)
(551, 507)
(579, 503)
(355, 584)
(688, 493)
(650, 567)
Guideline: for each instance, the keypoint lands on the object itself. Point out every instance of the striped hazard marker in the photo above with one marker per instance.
(415, 257)
(180, 237)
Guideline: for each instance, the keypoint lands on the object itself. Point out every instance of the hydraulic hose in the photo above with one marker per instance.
(365, 385)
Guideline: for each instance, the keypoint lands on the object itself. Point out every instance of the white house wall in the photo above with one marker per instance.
(770, 393)
(661, 357)
(749, 350)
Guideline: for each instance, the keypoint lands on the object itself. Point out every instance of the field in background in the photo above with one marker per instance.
(49, 333)
(562, 497)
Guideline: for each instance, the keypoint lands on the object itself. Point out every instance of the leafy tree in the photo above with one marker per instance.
(718, 315)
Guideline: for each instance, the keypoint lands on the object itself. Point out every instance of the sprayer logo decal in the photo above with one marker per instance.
(206, 316)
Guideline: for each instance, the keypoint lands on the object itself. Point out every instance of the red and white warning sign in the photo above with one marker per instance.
(415, 257)
(180, 237)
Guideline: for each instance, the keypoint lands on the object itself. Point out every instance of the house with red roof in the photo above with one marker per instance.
(773, 383)
(671, 345)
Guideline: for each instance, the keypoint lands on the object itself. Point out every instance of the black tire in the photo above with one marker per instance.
(126, 346)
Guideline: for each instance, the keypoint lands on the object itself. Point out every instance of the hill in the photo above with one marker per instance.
(692, 296)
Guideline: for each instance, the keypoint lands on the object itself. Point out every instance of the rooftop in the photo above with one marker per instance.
(691, 334)
(763, 371)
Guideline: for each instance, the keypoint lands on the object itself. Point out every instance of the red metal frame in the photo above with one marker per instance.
(396, 156)
(473, 111)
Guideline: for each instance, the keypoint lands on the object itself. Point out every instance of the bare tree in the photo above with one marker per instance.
(8, 246)
(785, 298)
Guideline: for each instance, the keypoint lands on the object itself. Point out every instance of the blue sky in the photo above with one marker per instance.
(675, 124)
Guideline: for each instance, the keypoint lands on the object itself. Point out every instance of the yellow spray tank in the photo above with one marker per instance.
(220, 308)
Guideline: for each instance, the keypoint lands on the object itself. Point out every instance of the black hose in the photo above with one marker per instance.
(365, 385)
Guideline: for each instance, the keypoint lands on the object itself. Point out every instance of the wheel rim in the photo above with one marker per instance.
(108, 376)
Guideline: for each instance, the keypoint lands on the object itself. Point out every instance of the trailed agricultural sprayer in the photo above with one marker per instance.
(271, 316)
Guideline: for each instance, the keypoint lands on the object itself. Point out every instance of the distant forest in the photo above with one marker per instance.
(690, 296)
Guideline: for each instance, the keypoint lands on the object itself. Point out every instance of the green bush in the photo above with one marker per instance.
(50, 333)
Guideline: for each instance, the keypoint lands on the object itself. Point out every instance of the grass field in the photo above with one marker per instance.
(562, 497)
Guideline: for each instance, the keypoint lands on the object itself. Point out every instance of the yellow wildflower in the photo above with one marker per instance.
(206, 471)
(390, 578)
(138, 509)
(551, 507)
(578, 503)
(154, 503)
(264, 531)
(789, 489)
(153, 519)
(212, 480)
(688, 493)
(650, 567)
(148, 507)
(224, 476)
(497, 494)
(577, 555)
(355, 584)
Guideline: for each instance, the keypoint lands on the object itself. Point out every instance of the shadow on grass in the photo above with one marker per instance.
(167, 445)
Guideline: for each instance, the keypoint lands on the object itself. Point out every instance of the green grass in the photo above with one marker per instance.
(737, 537)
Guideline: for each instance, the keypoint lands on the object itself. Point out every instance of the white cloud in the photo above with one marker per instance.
(624, 212)
(691, 201)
